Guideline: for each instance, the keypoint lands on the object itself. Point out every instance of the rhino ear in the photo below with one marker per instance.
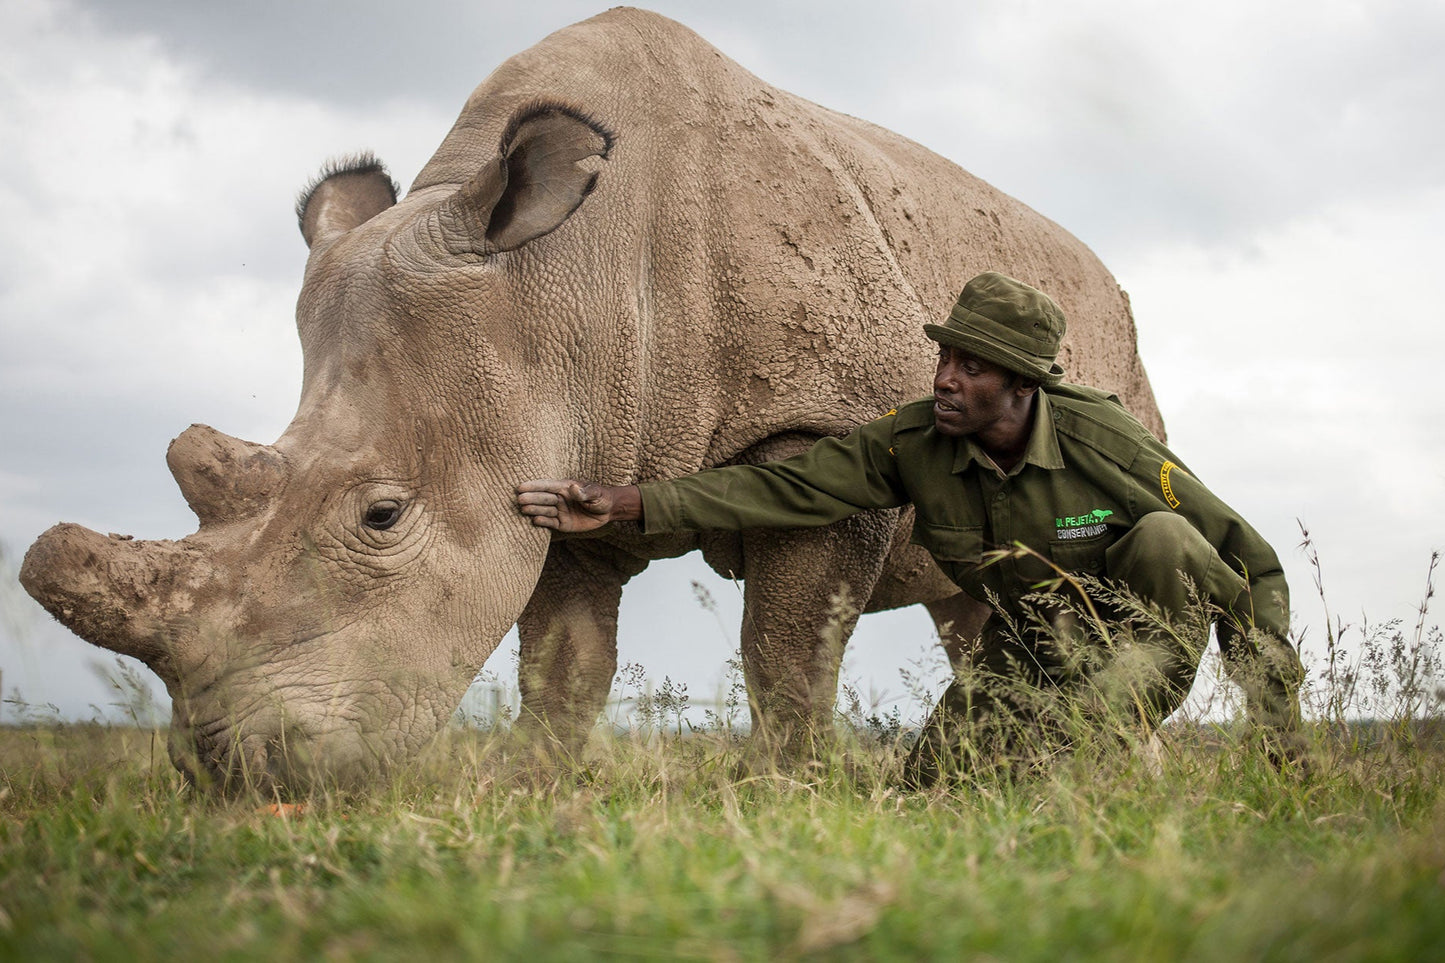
(348, 191)
(533, 184)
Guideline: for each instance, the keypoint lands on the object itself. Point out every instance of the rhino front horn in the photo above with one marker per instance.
(224, 478)
(110, 590)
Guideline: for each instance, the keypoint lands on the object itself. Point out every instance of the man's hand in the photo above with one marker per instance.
(569, 505)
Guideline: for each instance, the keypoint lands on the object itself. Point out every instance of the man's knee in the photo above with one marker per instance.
(1157, 540)
(1162, 550)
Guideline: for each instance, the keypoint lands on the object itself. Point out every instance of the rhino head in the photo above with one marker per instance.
(347, 581)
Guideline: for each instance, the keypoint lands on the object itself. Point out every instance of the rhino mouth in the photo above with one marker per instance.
(285, 765)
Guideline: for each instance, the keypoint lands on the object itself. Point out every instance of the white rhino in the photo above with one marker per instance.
(629, 259)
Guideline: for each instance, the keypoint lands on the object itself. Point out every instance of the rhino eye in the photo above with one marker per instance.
(382, 515)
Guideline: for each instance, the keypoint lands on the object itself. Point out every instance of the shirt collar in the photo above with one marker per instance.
(1042, 449)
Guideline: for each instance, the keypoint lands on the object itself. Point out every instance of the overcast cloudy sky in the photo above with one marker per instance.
(1266, 179)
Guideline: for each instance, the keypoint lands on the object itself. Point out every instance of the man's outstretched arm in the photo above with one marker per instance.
(569, 505)
(830, 481)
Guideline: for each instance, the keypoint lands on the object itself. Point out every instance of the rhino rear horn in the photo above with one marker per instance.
(224, 478)
(531, 187)
(348, 192)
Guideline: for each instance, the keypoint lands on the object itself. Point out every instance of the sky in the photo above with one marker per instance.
(1267, 181)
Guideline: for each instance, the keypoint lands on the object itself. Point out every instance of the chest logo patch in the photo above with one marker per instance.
(1087, 525)
(1164, 485)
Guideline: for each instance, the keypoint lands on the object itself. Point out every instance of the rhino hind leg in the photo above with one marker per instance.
(568, 641)
(804, 589)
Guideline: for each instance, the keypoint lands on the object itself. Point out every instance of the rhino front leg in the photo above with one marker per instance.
(804, 590)
(568, 635)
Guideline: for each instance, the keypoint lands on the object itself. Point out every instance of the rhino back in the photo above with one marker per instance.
(755, 263)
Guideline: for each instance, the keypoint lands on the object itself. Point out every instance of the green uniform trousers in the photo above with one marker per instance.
(1026, 691)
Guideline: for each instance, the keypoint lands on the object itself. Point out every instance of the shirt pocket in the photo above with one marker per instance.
(947, 544)
(1083, 555)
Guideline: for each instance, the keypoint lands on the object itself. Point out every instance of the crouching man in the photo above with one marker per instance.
(1015, 477)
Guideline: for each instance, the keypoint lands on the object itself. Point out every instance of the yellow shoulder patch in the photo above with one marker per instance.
(1164, 486)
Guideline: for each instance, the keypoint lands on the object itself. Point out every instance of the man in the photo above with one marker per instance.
(1016, 479)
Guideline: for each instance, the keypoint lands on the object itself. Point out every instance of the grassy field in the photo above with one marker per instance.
(661, 851)
(660, 847)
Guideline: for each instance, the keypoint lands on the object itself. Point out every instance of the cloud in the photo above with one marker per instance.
(351, 56)
(1296, 373)
(1133, 123)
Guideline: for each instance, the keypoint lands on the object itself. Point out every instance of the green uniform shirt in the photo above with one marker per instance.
(1089, 472)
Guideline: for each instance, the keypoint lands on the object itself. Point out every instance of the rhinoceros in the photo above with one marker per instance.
(629, 259)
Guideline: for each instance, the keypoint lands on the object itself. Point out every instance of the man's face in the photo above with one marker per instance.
(970, 395)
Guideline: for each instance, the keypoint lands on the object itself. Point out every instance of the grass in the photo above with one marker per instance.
(660, 851)
(662, 847)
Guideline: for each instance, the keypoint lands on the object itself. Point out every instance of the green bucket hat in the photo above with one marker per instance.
(1006, 322)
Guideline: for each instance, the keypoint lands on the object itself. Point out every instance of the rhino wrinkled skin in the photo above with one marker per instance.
(630, 259)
